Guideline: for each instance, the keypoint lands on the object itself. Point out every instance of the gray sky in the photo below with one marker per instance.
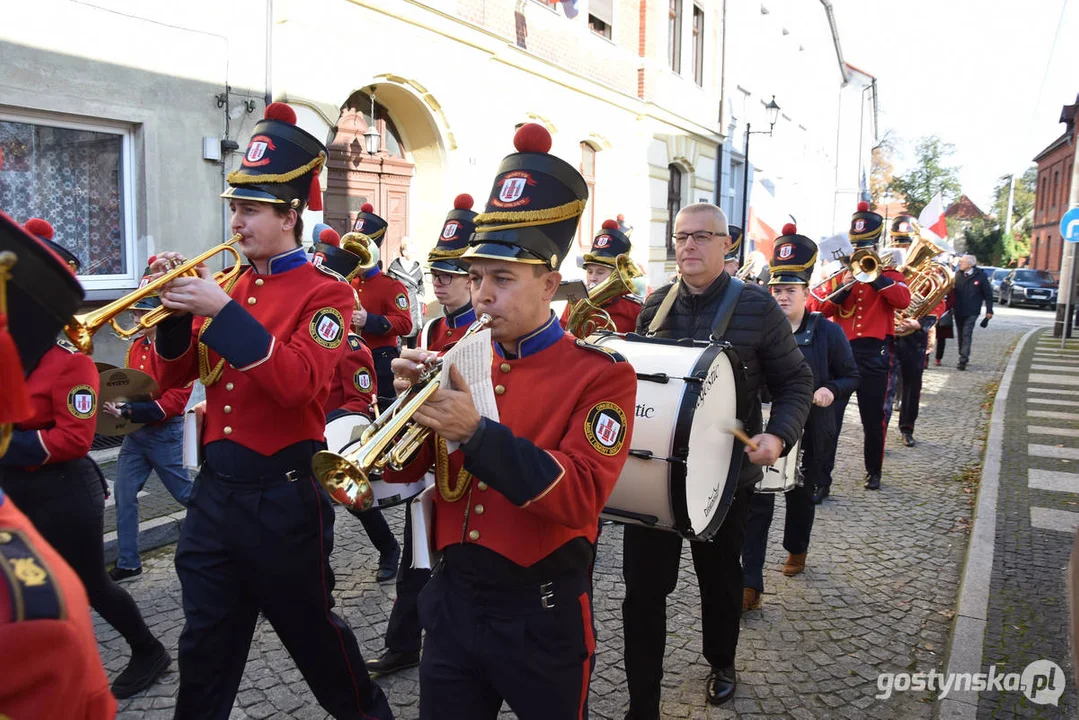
(971, 72)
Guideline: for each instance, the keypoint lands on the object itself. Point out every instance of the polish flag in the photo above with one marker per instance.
(932, 217)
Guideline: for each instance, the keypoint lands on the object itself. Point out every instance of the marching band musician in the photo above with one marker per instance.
(43, 605)
(909, 359)
(158, 446)
(449, 277)
(731, 263)
(762, 339)
(354, 388)
(383, 316)
(508, 609)
(599, 263)
(866, 312)
(259, 528)
(48, 474)
(835, 375)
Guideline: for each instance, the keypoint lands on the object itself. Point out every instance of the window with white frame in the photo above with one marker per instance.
(77, 176)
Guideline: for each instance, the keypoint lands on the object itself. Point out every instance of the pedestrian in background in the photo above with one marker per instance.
(972, 288)
(410, 273)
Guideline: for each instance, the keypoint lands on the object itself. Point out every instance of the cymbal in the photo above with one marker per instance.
(103, 366)
(120, 385)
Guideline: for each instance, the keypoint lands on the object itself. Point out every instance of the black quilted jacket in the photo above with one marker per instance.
(761, 335)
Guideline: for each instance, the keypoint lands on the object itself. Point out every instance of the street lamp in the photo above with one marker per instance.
(773, 114)
(372, 142)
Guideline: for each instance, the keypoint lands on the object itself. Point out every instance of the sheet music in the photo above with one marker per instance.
(472, 356)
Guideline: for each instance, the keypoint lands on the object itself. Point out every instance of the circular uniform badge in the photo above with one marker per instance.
(362, 380)
(81, 401)
(402, 302)
(605, 428)
(328, 328)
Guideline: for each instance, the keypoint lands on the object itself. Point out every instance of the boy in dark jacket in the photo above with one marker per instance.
(835, 375)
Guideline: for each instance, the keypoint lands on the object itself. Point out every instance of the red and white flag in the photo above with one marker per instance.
(932, 217)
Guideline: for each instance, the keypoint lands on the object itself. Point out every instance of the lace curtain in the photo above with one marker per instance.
(72, 178)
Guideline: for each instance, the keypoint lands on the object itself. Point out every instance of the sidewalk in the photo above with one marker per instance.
(1013, 604)
(878, 595)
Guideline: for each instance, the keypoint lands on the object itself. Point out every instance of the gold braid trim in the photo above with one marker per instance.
(207, 376)
(777, 269)
(437, 254)
(238, 178)
(528, 218)
(871, 235)
(442, 474)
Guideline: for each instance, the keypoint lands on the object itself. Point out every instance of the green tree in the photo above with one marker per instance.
(882, 171)
(1022, 202)
(931, 174)
(984, 238)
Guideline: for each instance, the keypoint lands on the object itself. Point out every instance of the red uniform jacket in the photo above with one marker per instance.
(544, 471)
(50, 667)
(354, 385)
(141, 356)
(623, 311)
(438, 334)
(63, 395)
(386, 303)
(280, 338)
(867, 309)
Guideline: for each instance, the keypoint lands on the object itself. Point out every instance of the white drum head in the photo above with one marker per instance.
(344, 430)
(711, 446)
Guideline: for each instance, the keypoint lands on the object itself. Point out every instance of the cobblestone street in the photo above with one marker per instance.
(878, 594)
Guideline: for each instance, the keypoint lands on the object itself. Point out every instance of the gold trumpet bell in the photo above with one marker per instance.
(343, 481)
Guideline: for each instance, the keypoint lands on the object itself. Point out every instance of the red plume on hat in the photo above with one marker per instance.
(330, 237)
(532, 138)
(863, 206)
(40, 228)
(790, 229)
(610, 225)
(463, 201)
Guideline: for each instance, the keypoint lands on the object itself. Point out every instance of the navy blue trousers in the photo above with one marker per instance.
(404, 631)
(486, 646)
(247, 548)
(873, 358)
(908, 365)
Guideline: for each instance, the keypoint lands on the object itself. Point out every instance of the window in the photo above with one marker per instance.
(674, 35)
(674, 204)
(601, 17)
(698, 46)
(1056, 186)
(77, 176)
(586, 226)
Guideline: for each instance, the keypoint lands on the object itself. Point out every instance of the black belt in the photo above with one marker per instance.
(527, 598)
(262, 481)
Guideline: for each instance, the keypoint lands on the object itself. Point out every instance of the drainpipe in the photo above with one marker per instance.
(722, 98)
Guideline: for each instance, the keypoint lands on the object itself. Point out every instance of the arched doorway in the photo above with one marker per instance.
(356, 178)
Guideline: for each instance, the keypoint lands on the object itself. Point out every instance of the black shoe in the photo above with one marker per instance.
(720, 685)
(118, 573)
(387, 564)
(144, 668)
(908, 439)
(391, 662)
(872, 481)
(819, 494)
(961, 366)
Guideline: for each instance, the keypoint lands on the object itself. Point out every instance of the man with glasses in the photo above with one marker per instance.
(762, 338)
(449, 276)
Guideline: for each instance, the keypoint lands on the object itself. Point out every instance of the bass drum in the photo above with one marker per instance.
(683, 464)
(343, 434)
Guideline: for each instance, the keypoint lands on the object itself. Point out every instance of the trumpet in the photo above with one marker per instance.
(80, 331)
(587, 315)
(388, 442)
(865, 266)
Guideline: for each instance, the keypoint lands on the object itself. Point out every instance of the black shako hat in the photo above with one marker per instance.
(532, 212)
(607, 245)
(793, 258)
(452, 243)
(865, 227)
(736, 234)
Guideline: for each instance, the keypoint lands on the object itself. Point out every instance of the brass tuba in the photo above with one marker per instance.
(587, 316)
(389, 441)
(928, 281)
(80, 331)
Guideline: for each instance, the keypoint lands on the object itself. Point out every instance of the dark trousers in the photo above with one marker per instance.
(404, 631)
(940, 346)
(964, 330)
(818, 444)
(383, 356)
(246, 548)
(650, 561)
(486, 646)
(905, 379)
(873, 357)
(377, 529)
(66, 503)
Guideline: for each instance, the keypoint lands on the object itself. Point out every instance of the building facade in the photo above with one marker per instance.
(1052, 193)
(119, 120)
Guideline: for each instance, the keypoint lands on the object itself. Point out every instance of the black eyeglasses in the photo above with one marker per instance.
(701, 237)
(442, 278)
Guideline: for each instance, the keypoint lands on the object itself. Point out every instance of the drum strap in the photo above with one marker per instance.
(723, 313)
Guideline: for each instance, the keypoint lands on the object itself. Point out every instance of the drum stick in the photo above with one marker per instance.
(738, 430)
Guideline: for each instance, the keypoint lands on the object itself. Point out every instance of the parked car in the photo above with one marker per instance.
(1035, 287)
(995, 281)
